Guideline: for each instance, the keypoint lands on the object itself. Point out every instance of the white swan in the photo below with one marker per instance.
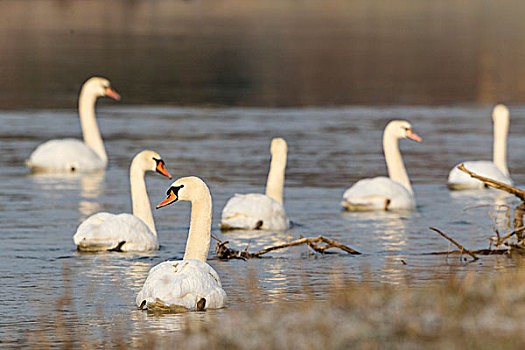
(188, 284)
(386, 193)
(125, 232)
(497, 169)
(71, 154)
(261, 211)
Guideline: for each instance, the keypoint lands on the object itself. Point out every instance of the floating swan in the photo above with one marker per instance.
(386, 193)
(261, 211)
(497, 169)
(125, 232)
(188, 284)
(67, 155)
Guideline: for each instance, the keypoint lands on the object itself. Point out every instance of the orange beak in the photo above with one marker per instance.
(112, 93)
(172, 197)
(161, 168)
(413, 136)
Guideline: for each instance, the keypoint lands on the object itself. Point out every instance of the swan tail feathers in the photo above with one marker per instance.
(366, 203)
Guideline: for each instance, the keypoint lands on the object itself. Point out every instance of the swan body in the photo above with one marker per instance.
(261, 211)
(125, 232)
(458, 180)
(180, 285)
(115, 232)
(254, 211)
(497, 169)
(69, 155)
(188, 284)
(385, 193)
(378, 193)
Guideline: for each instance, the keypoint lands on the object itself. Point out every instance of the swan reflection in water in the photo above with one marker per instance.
(389, 232)
(61, 185)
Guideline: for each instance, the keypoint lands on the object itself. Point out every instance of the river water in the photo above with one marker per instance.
(256, 70)
(329, 148)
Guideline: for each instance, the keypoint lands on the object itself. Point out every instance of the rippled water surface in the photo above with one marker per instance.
(229, 148)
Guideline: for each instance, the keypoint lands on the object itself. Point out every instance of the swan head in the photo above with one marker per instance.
(278, 146)
(500, 113)
(151, 161)
(100, 87)
(189, 189)
(402, 129)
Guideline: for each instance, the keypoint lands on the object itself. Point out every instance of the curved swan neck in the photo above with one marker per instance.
(88, 123)
(501, 129)
(275, 181)
(198, 243)
(394, 161)
(139, 195)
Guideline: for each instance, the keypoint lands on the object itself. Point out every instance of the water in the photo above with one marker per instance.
(263, 53)
(329, 148)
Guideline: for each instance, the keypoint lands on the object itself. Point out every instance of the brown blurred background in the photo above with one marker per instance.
(264, 53)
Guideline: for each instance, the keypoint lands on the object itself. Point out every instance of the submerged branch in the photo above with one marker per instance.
(225, 253)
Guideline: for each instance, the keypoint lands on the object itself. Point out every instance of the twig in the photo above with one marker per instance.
(496, 184)
(455, 243)
(224, 252)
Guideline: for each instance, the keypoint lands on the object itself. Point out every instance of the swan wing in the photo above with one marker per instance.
(123, 232)
(378, 193)
(458, 180)
(64, 155)
(254, 211)
(181, 285)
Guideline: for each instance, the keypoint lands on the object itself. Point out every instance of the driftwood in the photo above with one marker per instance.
(461, 248)
(225, 253)
(495, 184)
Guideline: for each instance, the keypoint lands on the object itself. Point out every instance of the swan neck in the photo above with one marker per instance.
(198, 243)
(88, 123)
(275, 181)
(501, 128)
(394, 161)
(139, 195)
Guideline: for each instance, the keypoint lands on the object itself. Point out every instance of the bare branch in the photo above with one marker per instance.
(496, 184)
(455, 243)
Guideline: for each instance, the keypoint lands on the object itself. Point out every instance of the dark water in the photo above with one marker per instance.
(329, 148)
(264, 53)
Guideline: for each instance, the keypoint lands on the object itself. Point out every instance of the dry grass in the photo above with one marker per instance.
(466, 312)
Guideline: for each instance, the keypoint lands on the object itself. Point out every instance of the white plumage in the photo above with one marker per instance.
(459, 180)
(188, 284)
(106, 231)
(182, 284)
(261, 211)
(497, 169)
(385, 193)
(67, 155)
(378, 193)
(125, 232)
(254, 211)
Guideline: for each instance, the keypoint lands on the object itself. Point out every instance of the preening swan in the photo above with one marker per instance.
(125, 232)
(261, 211)
(188, 284)
(497, 169)
(67, 155)
(385, 193)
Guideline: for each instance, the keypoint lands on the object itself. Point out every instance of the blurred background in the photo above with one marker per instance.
(273, 53)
